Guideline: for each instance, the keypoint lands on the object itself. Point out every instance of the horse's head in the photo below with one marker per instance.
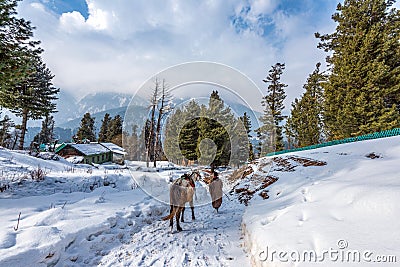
(195, 175)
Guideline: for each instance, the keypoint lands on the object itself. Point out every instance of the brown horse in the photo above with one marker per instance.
(181, 191)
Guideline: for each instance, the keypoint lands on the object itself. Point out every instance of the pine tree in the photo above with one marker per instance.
(86, 131)
(273, 103)
(289, 132)
(362, 94)
(245, 120)
(135, 152)
(217, 124)
(259, 145)
(46, 136)
(305, 124)
(33, 98)
(240, 143)
(105, 124)
(148, 134)
(131, 143)
(189, 133)
(25, 82)
(202, 133)
(142, 141)
(114, 128)
(5, 132)
(114, 132)
(172, 129)
(17, 47)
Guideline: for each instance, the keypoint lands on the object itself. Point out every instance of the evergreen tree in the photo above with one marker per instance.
(148, 134)
(203, 133)
(306, 121)
(189, 133)
(17, 47)
(289, 132)
(6, 125)
(142, 141)
(86, 130)
(105, 124)
(273, 103)
(362, 94)
(240, 143)
(114, 133)
(46, 136)
(217, 124)
(114, 128)
(131, 143)
(245, 120)
(135, 152)
(172, 131)
(259, 145)
(33, 98)
(25, 82)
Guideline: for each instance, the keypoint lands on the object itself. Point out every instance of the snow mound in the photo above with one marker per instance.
(335, 206)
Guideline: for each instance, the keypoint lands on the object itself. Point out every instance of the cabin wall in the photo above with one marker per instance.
(98, 158)
(69, 152)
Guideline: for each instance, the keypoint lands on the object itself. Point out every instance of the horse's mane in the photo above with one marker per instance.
(185, 179)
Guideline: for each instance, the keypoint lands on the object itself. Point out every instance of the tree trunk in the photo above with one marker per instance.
(150, 143)
(23, 129)
(157, 148)
(15, 141)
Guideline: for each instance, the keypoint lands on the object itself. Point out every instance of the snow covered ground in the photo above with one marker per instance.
(331, 202)
(345, 213)
(79, 215)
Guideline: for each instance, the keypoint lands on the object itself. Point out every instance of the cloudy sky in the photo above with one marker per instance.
(116, 45)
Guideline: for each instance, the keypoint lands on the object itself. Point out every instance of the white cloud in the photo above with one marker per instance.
(122, 42)
(72, 21)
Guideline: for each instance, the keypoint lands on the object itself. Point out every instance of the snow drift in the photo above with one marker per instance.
(342, 213)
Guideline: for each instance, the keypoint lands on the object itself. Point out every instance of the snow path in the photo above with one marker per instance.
(211, 240)
(66, 223)
(135, 236)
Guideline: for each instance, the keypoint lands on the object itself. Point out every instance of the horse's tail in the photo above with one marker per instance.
(170, 216)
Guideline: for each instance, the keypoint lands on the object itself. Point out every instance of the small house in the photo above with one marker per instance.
(89, 153)
(118, 153)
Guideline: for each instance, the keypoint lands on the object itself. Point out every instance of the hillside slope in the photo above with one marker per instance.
(338, 213)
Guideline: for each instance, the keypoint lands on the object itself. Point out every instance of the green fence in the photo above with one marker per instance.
(375, 135)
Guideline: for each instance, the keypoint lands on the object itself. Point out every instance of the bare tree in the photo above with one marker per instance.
(150, 131)
(164, 107)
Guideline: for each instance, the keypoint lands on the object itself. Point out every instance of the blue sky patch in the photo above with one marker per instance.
(63, 6)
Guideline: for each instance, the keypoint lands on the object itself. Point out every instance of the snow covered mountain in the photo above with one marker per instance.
(97, 104)
(140, 112)
(70, 108)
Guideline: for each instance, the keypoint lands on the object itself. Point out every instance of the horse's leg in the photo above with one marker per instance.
(192, 207)
(182, 215)
(178, 213)
(171, 221)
